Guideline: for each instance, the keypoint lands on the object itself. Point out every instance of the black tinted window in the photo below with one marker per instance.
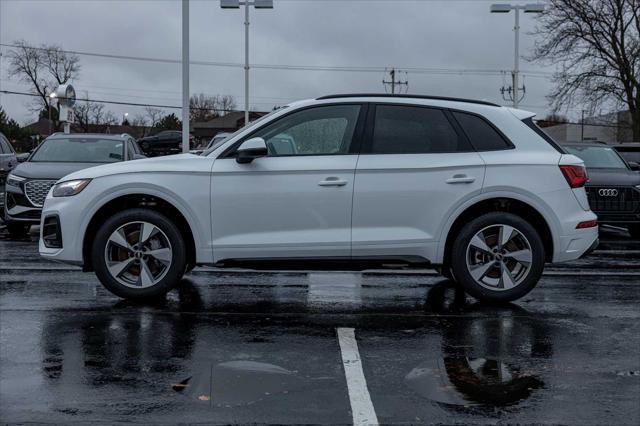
(482, 135)
(414, 130)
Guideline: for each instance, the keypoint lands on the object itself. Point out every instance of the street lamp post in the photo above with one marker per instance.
(51, 98)
(235, 4)
(185, 76)
(526, 8)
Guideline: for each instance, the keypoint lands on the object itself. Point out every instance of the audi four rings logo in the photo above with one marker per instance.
(608, 192)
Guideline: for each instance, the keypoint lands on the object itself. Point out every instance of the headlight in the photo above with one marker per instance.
(14, 180)
(70, 187)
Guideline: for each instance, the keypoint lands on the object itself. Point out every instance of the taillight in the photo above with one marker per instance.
(587, 224)
(576, 176)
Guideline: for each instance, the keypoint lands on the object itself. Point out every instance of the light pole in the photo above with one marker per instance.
(185, 76)
(51, 98)
(235, 4)
(527, 8)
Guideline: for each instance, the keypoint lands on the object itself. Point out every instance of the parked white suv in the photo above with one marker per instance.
(470, 187)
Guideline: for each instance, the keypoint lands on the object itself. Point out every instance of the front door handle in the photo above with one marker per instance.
(332, 181)
(461, 179)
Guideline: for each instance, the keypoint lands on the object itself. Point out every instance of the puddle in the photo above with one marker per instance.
(236, 383)
(465, 381)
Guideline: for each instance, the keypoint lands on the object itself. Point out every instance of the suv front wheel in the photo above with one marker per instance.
(139, 254)
(497, 257)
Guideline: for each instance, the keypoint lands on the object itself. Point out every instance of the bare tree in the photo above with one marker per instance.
(206, 107)
(153, 115)
(89, 113)
(596, 46)
(141, 126)
(202, 108)
(225, 104)
(43, 68)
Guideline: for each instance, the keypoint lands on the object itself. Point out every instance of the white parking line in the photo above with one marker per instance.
(361, 405)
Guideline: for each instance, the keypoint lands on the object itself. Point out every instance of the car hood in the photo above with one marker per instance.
(46, 170)
(166, 164)
(613, 177)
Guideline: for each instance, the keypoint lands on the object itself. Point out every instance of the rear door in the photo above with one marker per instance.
(415, 168)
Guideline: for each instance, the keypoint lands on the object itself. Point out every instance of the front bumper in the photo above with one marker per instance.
(18, 208)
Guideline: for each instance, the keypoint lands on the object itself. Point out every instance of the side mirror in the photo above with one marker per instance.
(251, 149)
(138, 157)
(634, 166)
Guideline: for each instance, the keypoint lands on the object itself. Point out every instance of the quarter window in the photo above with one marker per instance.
(402, 129)
(482, 135)
(315, 131)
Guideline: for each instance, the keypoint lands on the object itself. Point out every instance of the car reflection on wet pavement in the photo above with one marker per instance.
(231, 347)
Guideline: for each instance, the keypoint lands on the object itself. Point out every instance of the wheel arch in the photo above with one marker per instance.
(526, 209)
(140, 199)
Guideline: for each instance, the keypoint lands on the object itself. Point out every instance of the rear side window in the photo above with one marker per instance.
(401, 129)
(482, 135)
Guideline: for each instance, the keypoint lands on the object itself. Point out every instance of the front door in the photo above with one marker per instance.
(297, 201)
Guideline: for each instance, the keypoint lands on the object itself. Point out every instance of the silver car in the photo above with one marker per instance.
(8, 159)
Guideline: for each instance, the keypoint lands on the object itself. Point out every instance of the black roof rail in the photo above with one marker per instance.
(389, 95)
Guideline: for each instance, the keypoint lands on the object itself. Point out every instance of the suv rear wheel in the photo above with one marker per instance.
(139, 254)
(497, 257)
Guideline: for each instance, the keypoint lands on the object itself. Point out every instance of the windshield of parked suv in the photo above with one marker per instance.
(79, 150)
(598, 157)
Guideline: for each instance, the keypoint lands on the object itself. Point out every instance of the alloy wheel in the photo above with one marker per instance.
(138, 254)
(499, 257)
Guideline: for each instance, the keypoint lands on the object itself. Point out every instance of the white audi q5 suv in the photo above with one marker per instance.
(347, 182)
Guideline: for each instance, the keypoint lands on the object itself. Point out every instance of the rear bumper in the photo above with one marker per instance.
(576, 245)
(591, 249)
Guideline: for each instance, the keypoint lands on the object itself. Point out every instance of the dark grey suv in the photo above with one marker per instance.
(613, 187)
(57, 156)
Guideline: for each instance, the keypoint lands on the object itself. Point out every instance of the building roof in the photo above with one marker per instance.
(232, 120)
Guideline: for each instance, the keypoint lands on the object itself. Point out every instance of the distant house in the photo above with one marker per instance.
(611, 128)
(227, 123)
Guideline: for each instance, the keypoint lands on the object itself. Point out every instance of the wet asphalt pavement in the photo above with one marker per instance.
(250, 347)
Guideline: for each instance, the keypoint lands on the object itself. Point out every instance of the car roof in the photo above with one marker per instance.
(405, 96)
(628, 145)
(89, 135)
(588, 143)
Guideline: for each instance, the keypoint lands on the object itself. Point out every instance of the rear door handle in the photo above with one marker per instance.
(461, 179)
(332, 181)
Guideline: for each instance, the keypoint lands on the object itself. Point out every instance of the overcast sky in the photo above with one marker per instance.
(460, 35)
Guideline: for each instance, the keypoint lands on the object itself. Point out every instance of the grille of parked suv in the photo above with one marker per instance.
(37, 190)
(606, 199)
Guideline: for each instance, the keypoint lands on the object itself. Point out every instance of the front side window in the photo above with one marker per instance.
(80, 150)
(323, 130)
(481, 134)
(597, 157)
(400, 129)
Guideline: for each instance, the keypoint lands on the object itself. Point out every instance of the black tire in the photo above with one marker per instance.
(446, 272)
(174, 272)
(18, 230)
(634, 231)
(459, 258)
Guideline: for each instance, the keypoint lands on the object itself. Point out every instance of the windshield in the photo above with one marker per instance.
(598, 157)
(79, 150)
